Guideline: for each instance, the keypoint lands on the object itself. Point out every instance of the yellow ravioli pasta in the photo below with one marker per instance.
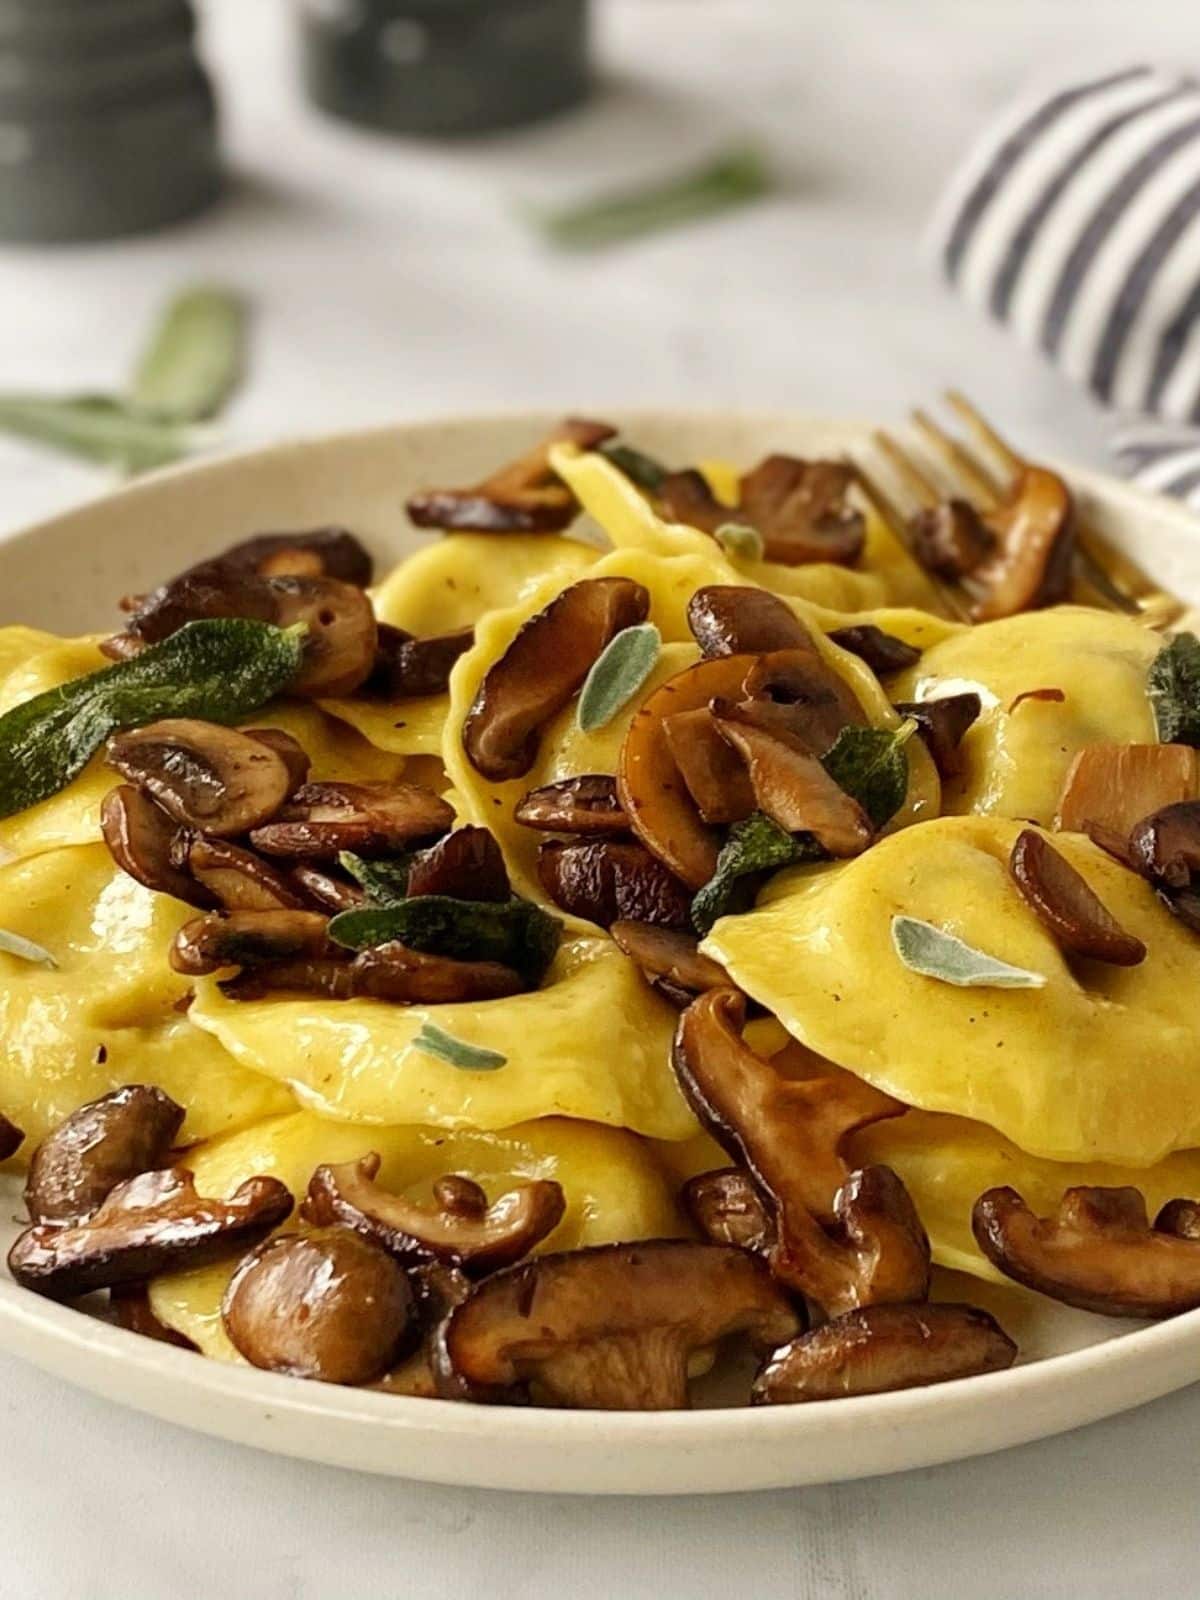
(105, 1014)
(1098, 1065)
(450, 583)
(592, 1043)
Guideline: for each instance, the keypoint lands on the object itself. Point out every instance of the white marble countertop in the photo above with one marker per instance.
(394, 280)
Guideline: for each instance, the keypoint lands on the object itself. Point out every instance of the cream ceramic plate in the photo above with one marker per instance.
(66, 575)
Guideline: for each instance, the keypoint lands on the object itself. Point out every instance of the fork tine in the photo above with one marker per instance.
(953, 603)
(958, 459)
(923, 489)
(978, 424)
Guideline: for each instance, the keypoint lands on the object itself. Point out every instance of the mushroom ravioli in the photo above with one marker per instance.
(682, 905)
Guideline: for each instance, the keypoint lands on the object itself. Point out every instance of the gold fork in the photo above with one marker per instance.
(984, 472)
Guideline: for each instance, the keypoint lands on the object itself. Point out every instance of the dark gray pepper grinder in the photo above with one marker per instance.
(445, 67)
(107, 119)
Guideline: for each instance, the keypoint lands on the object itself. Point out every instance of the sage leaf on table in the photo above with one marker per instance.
(731, 178)
(638, 467)
(435, 1041)
(756, 846)
(385, 881)
(96, 427)
(1174, 689)
(516, 933)
(617, 674)
(741, 540)
(195, 358)
(220, 671)
(13, 944)
(934, 953)
(870, 764)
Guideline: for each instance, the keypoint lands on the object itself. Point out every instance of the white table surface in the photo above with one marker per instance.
(393, 280)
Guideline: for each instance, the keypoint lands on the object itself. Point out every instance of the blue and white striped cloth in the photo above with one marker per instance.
(1075, 219)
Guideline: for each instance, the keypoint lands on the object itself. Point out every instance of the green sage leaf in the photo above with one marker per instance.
(220, 671)
(195, 357)
(435, 1041)
(13, 944)
(1174, 689)
(617, 675)
(638, 467)
(731, 178)
(386, 881)
(755, 846)
(935, 953)
(870, 764)
(95, 427)
(515, 932)
(741, 540)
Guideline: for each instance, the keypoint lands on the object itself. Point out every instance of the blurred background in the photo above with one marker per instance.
(407, 273)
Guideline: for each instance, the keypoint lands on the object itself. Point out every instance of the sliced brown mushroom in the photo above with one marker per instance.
(670, 955)
(732, 620)
(609, 1328)
(794, 789)
(727, 1208)
(467, 864)
(437, 1289)
(613, 880)
(651, 788)
(11, 1138)
(1113, 786)
(1031, 565)
(327, 1305)
(204, 776)
(950, 539)
(327, 889)
(104, 1143)
(394, 972)
(881, 651)
(1098, 1251)
(151, 1224)
(543, 668)
(407, 668)
(713, 773)
(458, 1229)
(239, 880)
(943, 724)
(883, 1348)
(1166, 845)
(370, 819)
(587, 806)
(328, 977)
(248, 939)
(522, 497)
(809, 702)
(1068, 906)
(290, 751)
(788, 1135)
(141, 839)
(799, 508)
(342, 638)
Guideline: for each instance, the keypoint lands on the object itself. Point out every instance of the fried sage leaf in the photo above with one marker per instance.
(386, 881)
(220, 671)
(435, 1041)
(13, 944)
(753, 847)
(870, 764)
(1174, 690)
(515, 933)
(194, 359)
(617, 674)
(934, 953)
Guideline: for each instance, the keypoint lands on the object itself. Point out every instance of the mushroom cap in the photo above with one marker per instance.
(1068, 905)
(587, 805)
(610, 1327)
(324, 819)
(104, 1143)
(1031, 565)
(239, 880)
(735, 619)
(142, 840)
(248, 938)
(611, 880)
(203, 775)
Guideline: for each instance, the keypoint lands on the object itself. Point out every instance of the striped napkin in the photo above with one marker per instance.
(1075, 219)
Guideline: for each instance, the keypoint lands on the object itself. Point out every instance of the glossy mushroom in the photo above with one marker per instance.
(1067, 905)
(104, 1143)
(522, 497)
(799, 508)
(329, 890)
(467, 864)
(323, 819)
(798, 695)
(726, 1208)
(327, 1305)
(612, 880)
(713, 772)
(1098, 1251)
(407, 668)
(611, 1327)
(882, 1348)
(459, 1229)
(204, 776)
(950, 539)
(669, 954)
(342, 636)
(1113, 786)
(238, 880)
(587, 806)
(1030, 566)
(394, 972)
(942, 725)
(881, 651)
(290, 751)
(543, 668)
(248, 938)
(735, 620)
(1166, 845)
(142, 840)
(150, 1224)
